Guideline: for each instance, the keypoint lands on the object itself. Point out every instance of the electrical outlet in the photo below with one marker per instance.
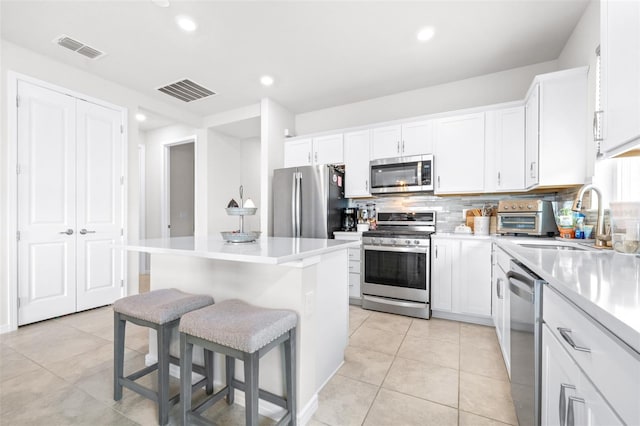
(309, 303)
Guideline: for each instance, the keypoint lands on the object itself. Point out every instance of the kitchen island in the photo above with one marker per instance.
(307, 275)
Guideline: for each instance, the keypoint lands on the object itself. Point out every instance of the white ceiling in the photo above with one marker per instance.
(321, 53)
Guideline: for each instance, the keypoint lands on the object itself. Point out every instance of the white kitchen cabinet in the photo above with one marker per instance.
(556, 129)
(500, 302)
(568, 397)
(459, 154)
(505, 150)
(356, 162)
(319, 150)
(461, 276)
(620, 74)
(354, 266)
(608, 369)
(413, 138)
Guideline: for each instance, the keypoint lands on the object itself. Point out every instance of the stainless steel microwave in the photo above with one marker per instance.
(403, 174)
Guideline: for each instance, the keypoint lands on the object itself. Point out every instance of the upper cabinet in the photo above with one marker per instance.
(556, 129)
(620, 74)
(356, 163)
(402, 140)
(320, 150)
(505, 150)
(459, 154)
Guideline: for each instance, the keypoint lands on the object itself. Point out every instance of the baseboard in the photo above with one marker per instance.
(5, 328)
(473, 319)
(265, 408)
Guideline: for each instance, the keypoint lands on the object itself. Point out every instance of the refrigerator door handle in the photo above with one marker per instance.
(294, 204)
(298, 204)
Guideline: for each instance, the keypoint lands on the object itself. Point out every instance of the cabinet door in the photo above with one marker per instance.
(417, 138)
(328, 150)
(473, 278)
(620, 77)
(531, 123)
(386, 142)
(297, 153)
(509, 149)
(441, 264)
(356, 162)
(459, 160)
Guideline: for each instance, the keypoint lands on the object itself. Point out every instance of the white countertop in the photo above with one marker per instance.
(461, 235)
(348, 235)
(604, 284)
(266, 250)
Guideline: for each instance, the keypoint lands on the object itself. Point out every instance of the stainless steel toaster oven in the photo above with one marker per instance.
(526, 217)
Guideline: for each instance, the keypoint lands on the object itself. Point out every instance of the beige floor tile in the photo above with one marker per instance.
(222, 414)
(392, 408)
(376, 340)
(28, 335)
(63, 348)
(39, 385)
(478, 337)
(357, 316)
(435, 328)
(484, 362)
(344, 401)
(13, 364)
(365, 365)
(144, 283)
(314, 422)
(438, 352)
(468, 419)
(486, 397)
(388, 322)
(423, 380)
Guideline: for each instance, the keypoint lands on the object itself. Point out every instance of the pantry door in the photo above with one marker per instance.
(46, 203)
(99, 205)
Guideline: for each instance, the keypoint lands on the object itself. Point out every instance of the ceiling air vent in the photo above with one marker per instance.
(79, 47)
(186, 90)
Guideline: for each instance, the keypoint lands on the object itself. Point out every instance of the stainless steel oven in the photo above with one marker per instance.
(396, 270)
(402, 174)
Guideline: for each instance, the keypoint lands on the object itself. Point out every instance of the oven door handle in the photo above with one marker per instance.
(397, 249)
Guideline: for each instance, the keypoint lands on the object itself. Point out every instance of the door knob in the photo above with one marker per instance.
(84, 231)
(68, 232)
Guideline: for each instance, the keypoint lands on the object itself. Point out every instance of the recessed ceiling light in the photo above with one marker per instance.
(141, 117)
(426, 34)
(266, 80)
(186, 23)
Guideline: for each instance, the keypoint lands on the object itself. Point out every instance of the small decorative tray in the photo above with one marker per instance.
(240, 237)
(241, 211)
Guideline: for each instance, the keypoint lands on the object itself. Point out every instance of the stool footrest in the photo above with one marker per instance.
(263, 394)
(146, 392)
(142, 372)
(204, 405)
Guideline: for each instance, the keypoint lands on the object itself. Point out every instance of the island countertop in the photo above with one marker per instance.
(265, 250)
(604, 284)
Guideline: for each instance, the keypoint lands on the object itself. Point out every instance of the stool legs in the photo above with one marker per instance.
(208, 366)
(251, 393)
(118, 355)
(230, 367)
(186, 356)
(290, 366)
(164, 341)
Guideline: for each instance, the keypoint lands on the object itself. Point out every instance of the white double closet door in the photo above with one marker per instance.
(70, 192)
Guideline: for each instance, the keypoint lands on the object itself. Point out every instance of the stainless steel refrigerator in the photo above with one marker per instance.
(307, 201)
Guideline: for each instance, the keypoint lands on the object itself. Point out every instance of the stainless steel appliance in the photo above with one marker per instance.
(307, 201)
(395, 261)
(349, 219)
(525, 308)
(528, 217)
(403, 174)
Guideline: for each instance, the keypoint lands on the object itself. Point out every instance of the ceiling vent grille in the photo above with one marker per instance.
(186, 90)
(78, 47)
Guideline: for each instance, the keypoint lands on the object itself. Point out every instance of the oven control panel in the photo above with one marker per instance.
(396, 241)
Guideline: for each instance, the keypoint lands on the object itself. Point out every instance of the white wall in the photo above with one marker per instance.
(250, 178)
(25, 62)
(224, 154)
(580, 50)
(488, 89)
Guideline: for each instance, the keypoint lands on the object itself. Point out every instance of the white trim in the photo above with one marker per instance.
(142, 200)
(12, 193)
(165, 192)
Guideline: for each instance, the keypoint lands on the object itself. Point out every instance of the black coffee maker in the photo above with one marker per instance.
(349, 219)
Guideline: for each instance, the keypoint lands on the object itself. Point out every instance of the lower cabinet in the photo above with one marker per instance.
(500, 302)
(461, 278)
(354, 266)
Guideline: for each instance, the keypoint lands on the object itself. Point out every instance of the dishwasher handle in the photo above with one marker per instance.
(521, 285)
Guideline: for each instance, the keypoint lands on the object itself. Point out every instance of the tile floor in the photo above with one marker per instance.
(397, 371)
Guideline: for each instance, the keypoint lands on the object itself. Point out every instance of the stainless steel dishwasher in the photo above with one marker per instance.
(526, 342)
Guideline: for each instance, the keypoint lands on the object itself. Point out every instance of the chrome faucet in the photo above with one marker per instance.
(598, 231)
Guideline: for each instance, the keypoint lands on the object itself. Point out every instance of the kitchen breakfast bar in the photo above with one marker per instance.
(306, 275)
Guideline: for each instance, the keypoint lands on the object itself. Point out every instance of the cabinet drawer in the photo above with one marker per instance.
(354, 254)
(354, 280)
(354, 267)
(613, 368)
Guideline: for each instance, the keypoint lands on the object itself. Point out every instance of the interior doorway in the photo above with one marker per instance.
(180, 189)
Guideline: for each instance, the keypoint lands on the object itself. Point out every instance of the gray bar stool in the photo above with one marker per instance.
(246, 332)
(160, 310)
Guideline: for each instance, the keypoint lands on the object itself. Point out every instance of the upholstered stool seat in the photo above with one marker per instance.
(160, 310)
(239, 331)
